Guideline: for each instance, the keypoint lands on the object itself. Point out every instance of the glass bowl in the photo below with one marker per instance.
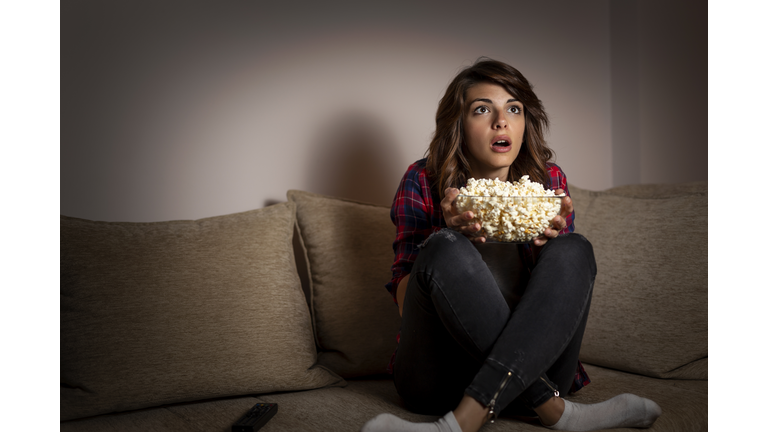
(515, 219)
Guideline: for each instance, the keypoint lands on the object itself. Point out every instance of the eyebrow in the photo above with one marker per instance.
(490, 101)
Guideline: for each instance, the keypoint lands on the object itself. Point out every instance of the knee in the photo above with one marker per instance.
(572, 248)
(443, 236)
(448, 255)
(444, 245)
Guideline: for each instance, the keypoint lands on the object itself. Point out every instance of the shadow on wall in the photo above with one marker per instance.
(356, 157)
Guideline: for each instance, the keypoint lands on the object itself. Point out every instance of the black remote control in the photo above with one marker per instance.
(255, 418)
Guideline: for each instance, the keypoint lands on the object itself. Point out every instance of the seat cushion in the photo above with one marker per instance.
(166, 312)
(348, 248)
(649, 305)
(683, 402)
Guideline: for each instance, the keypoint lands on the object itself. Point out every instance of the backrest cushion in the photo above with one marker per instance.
(167, 312)
(349, 253)
(649, 304)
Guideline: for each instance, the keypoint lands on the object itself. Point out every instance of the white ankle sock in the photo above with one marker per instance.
(391, 423)
(624, 410)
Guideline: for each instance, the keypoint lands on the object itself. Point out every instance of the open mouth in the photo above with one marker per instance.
(502, 144)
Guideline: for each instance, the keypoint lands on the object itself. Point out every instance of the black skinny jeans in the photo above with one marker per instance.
(459, 335)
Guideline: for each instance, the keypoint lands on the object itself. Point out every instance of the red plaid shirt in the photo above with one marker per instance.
(416, 213)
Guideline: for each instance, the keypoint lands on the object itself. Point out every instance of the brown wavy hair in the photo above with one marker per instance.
(447, 164)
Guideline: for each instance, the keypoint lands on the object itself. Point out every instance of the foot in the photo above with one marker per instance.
(391, 423)
(624, 410)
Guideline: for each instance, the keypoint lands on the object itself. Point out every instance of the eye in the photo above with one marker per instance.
(482, 109)
(514, 109)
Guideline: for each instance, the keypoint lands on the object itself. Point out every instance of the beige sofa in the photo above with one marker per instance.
(184, 325)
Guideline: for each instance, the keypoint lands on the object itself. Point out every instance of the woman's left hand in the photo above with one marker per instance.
(558, 222)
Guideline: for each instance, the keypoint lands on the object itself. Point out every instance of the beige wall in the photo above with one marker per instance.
(658, 91)
(179, 111)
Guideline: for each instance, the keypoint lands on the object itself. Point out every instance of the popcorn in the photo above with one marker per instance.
(509, 212)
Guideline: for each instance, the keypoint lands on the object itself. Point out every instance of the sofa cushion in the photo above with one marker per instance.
(165, 312)
(201, 416)
(649, 305)
(349, 252)
(683, 402)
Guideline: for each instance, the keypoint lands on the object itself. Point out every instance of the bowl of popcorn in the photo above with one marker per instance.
(514, 212)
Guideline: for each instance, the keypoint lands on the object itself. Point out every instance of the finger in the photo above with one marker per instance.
(566, 206)
(462, 224)
(479, 239)
(540, 241)
(559, 223)
(549, 233)
(448, 203)
(459, 222)
(463, 220)
(470, 228)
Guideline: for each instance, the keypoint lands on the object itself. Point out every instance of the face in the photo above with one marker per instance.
(494, 124)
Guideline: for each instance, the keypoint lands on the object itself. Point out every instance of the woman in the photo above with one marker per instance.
(472, 345)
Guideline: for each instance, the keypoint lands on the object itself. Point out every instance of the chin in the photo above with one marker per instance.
(506, 162)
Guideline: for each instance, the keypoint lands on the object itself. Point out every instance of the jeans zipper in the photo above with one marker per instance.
(492, 405)
(557, 393)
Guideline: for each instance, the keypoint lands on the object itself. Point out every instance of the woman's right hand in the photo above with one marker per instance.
(461, 222)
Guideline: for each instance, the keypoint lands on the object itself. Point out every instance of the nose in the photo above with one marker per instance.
(500, 122)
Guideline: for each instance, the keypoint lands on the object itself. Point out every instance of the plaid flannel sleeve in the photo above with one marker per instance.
(413, 214)
(557, 180)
